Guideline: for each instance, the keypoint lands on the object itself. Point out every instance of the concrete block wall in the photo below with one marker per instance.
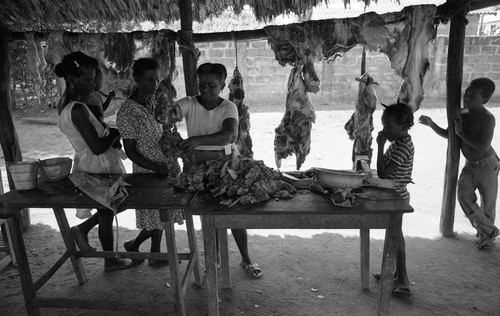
(265, 80)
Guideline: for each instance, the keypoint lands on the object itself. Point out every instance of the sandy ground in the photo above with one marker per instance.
(449, 275)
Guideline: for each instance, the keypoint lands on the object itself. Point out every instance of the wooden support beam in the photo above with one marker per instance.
(185, 36)
(454, 74)
(8, 135)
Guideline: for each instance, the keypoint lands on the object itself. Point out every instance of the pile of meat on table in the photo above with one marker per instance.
(237, 180)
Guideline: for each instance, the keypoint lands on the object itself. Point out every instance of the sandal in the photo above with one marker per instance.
(252, 269)
(402, 292)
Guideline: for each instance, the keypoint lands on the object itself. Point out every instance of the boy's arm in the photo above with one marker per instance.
(436, 128)
(383, 170)
(482, 142)
(225, 136)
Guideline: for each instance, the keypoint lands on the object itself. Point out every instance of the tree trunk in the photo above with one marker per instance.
(454, 76)
(8, 136)
(188, 56)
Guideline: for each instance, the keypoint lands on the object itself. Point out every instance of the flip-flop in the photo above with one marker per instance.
(253, 270)
(402, 292)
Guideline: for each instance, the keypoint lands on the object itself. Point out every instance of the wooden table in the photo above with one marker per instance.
(308, 211)
(147, 191)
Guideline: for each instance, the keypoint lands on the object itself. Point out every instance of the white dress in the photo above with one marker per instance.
(85, 160)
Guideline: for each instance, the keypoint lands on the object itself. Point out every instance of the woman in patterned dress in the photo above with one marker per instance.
(141, 134)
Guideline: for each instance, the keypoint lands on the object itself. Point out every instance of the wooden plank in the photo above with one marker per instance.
(392, 236)
(364, 245)
(293, 221)
(250, 35)
(146, 191)
(147, 308)
(62, 221)
(193, 248)
(224, 258)
(454, 74)
(305, 204)
(23, 267)
(175, 273)
(209, 241)
(47, 275)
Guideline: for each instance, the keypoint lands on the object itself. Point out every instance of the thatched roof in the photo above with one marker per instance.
(47, 15)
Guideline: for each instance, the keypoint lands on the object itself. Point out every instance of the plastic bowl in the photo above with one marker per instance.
(55, 169)
(339, 179)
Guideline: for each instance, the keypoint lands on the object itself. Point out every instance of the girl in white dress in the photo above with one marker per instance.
(93, 144)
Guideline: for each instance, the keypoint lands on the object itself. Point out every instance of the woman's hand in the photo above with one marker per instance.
(425, 120)
(381, 139)
(161, 169)
(188, 145)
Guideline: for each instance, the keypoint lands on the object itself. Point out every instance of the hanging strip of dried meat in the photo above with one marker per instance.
(293, 135)
(402, 36)
(360, 125)
(237, 95)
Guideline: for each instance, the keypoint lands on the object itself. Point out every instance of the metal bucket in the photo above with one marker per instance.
(24, 174)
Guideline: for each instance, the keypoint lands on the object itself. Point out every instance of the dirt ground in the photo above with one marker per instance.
(305, 273)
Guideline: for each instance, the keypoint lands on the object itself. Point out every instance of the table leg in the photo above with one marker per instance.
(209, 242)
(364, 236)
(62, 221)
(224, 258)
(173, 262)
(23, 266)
(193, 248)
(392, 235)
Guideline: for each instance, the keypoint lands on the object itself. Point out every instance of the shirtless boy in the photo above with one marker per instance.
(475, 125)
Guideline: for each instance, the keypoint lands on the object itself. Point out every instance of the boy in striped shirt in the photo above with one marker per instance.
(396, 163)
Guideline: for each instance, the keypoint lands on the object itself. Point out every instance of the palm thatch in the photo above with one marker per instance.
(49, 15)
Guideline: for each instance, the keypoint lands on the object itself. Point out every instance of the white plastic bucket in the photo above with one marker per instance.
(24, 174)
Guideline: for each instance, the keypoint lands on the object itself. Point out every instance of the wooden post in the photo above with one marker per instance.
(454, 74)
(8, 135)
(188, 57)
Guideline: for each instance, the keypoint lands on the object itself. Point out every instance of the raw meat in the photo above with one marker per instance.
(360, 125)
(293, 135)
(237, 95)
(402, 36)
(169, 113)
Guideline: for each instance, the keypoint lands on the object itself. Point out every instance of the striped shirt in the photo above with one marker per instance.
(401, 151)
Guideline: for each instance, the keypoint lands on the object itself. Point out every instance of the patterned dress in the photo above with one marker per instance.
(137, 122)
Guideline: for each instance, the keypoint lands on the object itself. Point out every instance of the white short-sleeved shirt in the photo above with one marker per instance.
(200, 121)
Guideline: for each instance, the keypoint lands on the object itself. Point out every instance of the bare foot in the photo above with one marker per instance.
(81, 241)
(128, 248)
(116, 264)
(157, 263)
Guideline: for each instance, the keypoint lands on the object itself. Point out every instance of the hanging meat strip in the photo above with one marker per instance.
(293, 135)
(169, 113)
(402, 36)
(360, 125)
(237, 95)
